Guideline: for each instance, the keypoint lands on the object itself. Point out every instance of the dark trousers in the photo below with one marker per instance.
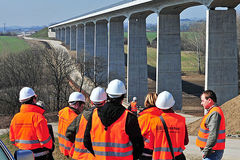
(44, 157)
(180, 157)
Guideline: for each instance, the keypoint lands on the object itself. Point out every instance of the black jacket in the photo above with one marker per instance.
(108, 114)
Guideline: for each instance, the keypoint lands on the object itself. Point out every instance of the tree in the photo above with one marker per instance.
(16, 71)
(198, 41)
(59, 67)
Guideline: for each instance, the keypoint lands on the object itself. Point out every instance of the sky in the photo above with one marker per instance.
(45, 12)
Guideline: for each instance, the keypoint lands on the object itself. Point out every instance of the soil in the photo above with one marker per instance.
(231, 110)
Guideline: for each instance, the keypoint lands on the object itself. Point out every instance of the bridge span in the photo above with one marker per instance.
(101, 34)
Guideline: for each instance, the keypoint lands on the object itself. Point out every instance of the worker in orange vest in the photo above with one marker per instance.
(75, 131)
(112, 131)
(175, 126)
(28, 128)
(66, 116)
(144, 120)
(211, 135)
(133, 106)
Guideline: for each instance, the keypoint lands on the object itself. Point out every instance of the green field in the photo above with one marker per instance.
(188, 59)
(152, 35)
(10, 44)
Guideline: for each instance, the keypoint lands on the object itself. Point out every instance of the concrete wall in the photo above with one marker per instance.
(222, 54)
(80, 40)
(116, 59)
(137, 83)
(169, 57)
(67, 40)
(73, 38)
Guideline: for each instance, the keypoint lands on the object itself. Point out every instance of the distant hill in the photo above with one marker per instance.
(43, 33)
(19, 29)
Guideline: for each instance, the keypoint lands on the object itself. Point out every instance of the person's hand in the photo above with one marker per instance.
(207, 153)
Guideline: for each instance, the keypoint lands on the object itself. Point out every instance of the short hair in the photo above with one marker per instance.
(29, 101)
(210, 94)
(150, 99)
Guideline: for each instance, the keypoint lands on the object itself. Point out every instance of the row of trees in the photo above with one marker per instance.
(47, 71)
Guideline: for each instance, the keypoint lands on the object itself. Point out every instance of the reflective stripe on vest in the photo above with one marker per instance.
(66, 116)
(204, 132)
(80, 151)
(176, 128)
(112, 143)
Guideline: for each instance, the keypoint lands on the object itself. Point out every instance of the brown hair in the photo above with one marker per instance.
(150, 99)
(210, 94)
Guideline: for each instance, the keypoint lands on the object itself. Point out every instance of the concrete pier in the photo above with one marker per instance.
(80, 40)
(101, 52)
(169, 57)
(137, 84)
(67, 40)
(73, 38)
(222, 54)
(89, 49)
(63, 35)
(116, 58)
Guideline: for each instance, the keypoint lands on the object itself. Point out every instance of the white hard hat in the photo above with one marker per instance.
(165, 100)
(116, 88)
(98, 95)
(134, 98)
(25, 94)
(76, 96)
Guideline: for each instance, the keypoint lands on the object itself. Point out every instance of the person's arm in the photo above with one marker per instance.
(213, 124)
(186, 140)
(134, 133)
(72, 129)
(87, 137)
(43, 134)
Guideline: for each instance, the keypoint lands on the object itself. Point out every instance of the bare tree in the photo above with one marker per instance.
(17, 71)
(59, 66)
(198, 41)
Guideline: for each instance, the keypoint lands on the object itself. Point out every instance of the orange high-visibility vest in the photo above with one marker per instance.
(80, 151)
(113, 143)
(28, 129)
(203, 132)
(176, 128)
(144, 123)
(133, 106)
(66, 116)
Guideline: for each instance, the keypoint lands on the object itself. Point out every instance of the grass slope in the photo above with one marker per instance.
(43, 34)
(10, 44)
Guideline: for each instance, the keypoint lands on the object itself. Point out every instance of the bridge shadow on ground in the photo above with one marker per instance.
(187, 87)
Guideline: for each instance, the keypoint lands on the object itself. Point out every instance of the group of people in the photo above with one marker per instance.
(108, 130)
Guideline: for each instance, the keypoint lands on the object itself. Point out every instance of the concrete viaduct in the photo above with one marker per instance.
(101, 34)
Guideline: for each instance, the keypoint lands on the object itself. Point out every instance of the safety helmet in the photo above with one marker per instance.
(165, 100)
(116, 88)
(134, 99)
(98, 95)
(75, 97)
(25, 94)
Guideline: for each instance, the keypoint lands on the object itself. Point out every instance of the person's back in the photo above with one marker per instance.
(113, 132)
(28, 128)
(66, 116)
(176, 129)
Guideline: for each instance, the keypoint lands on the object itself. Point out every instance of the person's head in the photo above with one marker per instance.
(98, 96)
(150, 100)
(77, 101)
(208, 98)
(134, 99)
(165, 100)
(27, 96)
(116, 91)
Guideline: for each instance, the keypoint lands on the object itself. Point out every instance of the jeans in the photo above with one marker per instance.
(217, 155)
